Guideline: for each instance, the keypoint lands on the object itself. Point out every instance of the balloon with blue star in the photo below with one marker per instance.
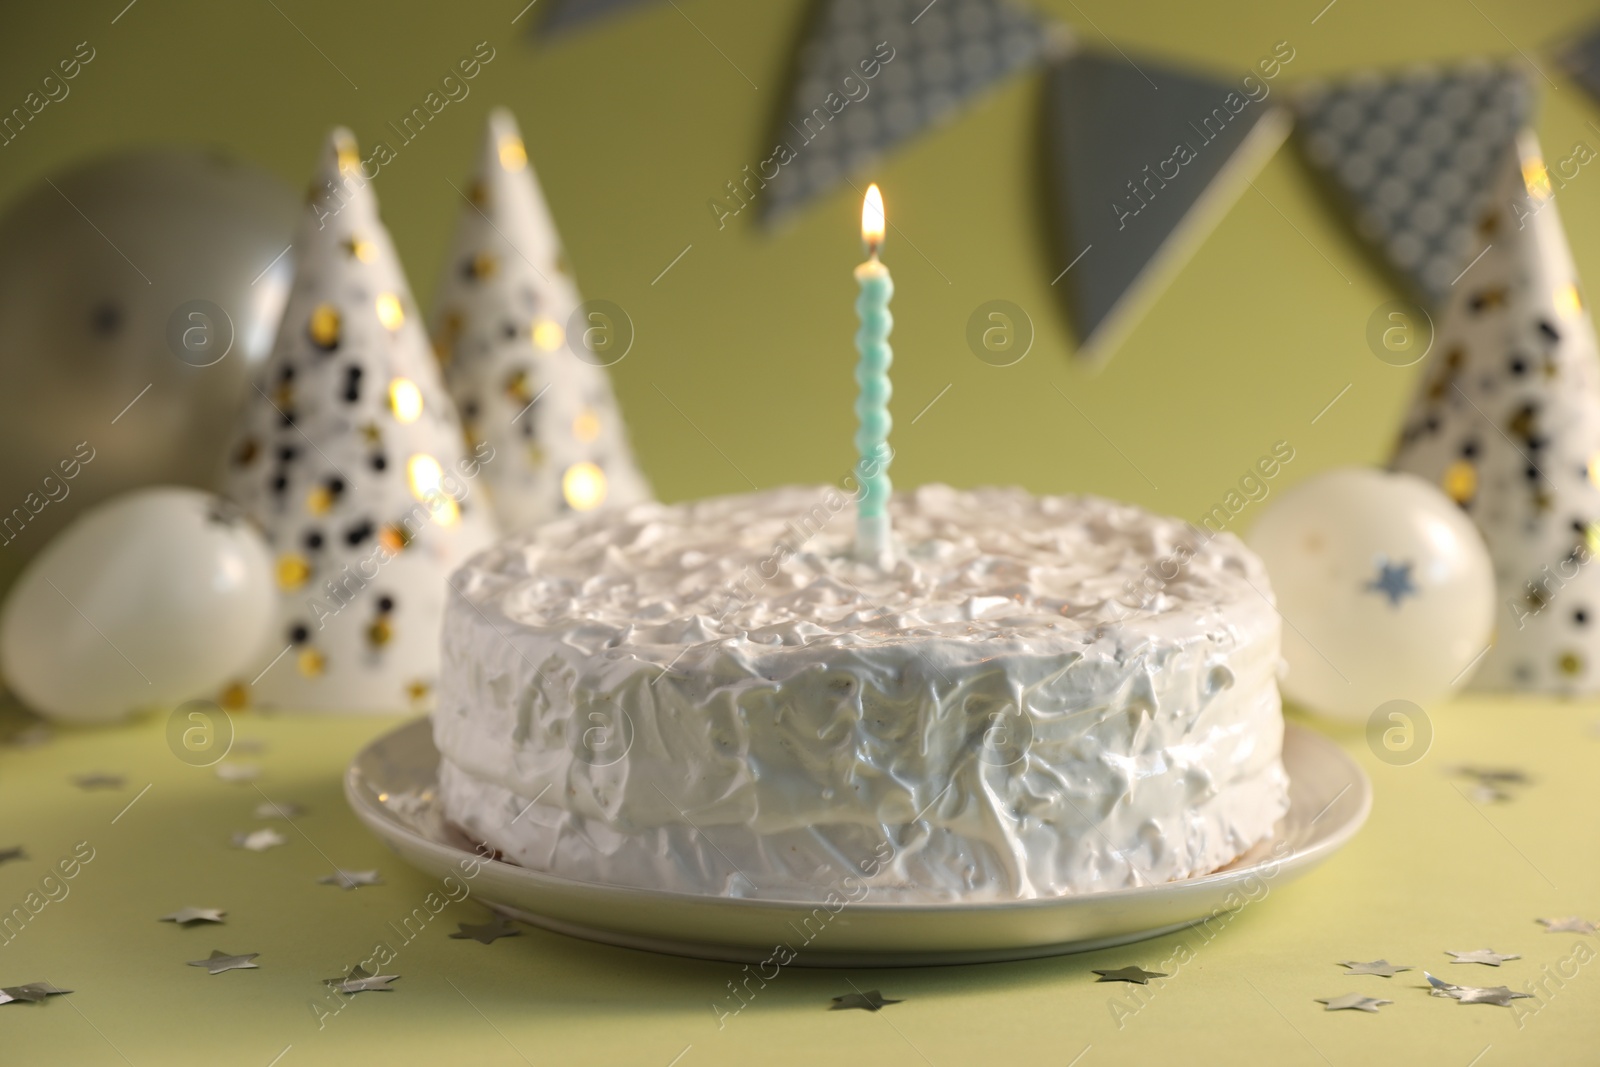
(1384, 588)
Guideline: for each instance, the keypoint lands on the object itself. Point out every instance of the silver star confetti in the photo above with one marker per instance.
(1486, 956)
(238, 772)
(350, 879)
(9, 854)
(871, 1000)
(1381, 968)
(259, 840)
(271, 809)
(361, 980)
(189, 915)
(1129, 974)
(220, 961)
(98, 781)
(487, 932)
(1471, 994)
(1353, 1002)
(31, 993)
(1572, 924)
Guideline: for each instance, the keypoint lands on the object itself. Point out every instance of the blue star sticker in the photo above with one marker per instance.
(1393, 581)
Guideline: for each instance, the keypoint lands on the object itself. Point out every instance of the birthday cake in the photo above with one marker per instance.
(1041, 696)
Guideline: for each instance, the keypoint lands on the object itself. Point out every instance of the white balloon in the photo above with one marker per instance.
(155, 597)
(1385, 588)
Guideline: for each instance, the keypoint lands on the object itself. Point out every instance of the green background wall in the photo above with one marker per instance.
(634, 125)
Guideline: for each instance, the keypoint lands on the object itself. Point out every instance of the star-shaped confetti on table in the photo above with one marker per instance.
(272, 809)
(1571, 924)
(871, 1000)
(238, 772)
(1381, 968)
(1471, 994)
(485, 932)
(31, 993)
(190, 915)
(15, 853)
(1129, 974)
(1393, 581)
(361, 980)
(1486, 956)
(350, 879)
(259, 840)
(98, 781)
(220, 961)
(1353, 1002)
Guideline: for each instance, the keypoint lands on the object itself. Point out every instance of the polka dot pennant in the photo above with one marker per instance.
(351, 459)
(1506, 421)
(548, 417)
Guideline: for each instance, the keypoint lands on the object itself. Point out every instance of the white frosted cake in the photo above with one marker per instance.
(717, 698)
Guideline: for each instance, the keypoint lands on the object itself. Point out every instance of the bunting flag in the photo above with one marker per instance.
(1413, 158)
(1144, 159)
(563, 16)
(873, 73)
(1580, 60)
(1507, 422)
(349, 457)
(529, 392)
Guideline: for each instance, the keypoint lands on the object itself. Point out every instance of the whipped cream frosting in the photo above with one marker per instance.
(716, 697)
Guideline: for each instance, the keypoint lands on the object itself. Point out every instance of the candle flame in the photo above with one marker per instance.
(872, 218)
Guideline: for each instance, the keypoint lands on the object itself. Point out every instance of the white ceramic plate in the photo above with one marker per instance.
(391, 787)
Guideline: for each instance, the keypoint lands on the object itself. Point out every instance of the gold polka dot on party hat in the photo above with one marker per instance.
(405, 399)
(517, 387)
(379, 632)
(247, 452)
(370, 433)
(365, 251)
(324, 326)
(513, 155)
(311, 662)
(1570, 663)
(483, 265)
(446, 512)
(348, 155)
(1460, 481)
(1536, 178)
(236, 697)
(1568, 303)
(390, 313)
(583, 486)
(293, 571)
(586, 427)
(548, 335)
(418, 690)
(424, 474)
(393, 537)
(319, 501)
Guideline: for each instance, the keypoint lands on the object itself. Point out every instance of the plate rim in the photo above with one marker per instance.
(373, 813)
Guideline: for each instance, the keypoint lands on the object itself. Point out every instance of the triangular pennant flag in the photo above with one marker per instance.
(565, 15)
(1581, 61)
(1144, 159)
(349, 456)
(501, 331)
(1507, 422)
(1413, 157)
(871, 74)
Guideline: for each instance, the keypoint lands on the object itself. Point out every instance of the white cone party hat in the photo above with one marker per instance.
(350, 457)
(524, 362)
(1507, 422)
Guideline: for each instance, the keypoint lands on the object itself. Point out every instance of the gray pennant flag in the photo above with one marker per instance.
(871, 74)
(1412, 157)
(1136, 153)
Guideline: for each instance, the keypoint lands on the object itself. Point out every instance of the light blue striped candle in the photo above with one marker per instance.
(873, 541)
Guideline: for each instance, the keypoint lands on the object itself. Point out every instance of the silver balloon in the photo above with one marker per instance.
(136, 294)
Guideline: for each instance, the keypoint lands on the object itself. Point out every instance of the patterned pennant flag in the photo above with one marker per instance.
(1507, 422)
(872, 74)
(1144, 159)
(1413, 159)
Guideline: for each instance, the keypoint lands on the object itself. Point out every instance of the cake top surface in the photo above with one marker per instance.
(775, 568)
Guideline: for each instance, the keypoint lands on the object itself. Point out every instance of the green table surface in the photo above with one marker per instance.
(1433, 870)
